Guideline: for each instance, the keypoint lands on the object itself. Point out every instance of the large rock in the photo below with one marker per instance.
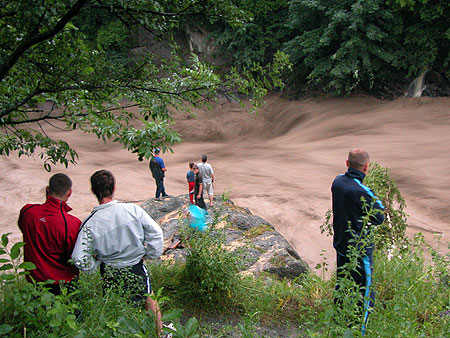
(264, 249)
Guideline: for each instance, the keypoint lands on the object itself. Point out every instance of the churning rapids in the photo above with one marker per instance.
(279, 163)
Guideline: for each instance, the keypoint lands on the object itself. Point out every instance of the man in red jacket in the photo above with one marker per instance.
(49, 233)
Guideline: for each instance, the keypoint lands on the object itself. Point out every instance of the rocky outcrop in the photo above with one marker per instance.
(264, 249)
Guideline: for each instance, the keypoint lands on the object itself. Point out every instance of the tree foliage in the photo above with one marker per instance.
(346, 45)
(75, 54)
(256, 40)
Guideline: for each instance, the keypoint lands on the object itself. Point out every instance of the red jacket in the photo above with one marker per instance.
(44, 233)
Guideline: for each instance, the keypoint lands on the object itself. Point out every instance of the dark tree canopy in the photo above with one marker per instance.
(341, 47)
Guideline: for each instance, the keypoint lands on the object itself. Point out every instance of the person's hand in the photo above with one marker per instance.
(199, 196)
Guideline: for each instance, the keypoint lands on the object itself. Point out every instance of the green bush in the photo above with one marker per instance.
(30, 310)
(210, 275)
(393, 230)
(30, 307)
(411, 297)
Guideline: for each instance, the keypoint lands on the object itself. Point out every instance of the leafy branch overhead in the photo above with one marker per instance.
(79, 58)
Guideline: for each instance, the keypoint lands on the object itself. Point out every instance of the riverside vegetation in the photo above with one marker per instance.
(411, 281)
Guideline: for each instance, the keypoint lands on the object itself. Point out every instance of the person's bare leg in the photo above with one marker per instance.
(152, 305)
(211, 198)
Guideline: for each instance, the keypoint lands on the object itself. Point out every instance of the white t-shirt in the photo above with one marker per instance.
(205, 172)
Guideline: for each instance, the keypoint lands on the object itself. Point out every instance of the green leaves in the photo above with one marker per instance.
(15, 250)
(6, 267)
(10, 264)
(189, 330)
(27, 142)
(393, 230)
(82, 75)
(340, 47)
(27, 266)
(211, 271)
(5, 328)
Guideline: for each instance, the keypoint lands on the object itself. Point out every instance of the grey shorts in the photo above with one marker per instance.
(208, 189)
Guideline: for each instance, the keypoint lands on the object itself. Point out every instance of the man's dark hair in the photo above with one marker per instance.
(102, 184)
(59, 184)
(204, 158)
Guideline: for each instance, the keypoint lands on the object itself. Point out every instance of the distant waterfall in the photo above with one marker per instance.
(416, 87)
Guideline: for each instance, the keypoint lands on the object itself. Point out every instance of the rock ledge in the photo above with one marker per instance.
(265, 250)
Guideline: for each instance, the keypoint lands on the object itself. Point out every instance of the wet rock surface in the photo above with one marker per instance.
(263, 248)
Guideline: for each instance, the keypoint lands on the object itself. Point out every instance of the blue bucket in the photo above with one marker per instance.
(197, 217)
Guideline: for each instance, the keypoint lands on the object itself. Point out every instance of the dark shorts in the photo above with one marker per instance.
(56, 288)
(132, 281)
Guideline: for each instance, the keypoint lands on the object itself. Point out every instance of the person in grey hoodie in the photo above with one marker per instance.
(117, 236)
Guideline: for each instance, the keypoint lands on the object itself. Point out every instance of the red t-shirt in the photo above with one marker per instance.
(44, 233)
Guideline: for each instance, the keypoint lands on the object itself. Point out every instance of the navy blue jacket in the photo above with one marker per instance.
(348, 209)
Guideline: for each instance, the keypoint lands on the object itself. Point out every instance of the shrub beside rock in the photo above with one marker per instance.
(264, 249)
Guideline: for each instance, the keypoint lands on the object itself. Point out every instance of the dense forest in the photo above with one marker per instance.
(346, 46)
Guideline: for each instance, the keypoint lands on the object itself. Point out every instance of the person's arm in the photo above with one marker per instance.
(73, 232)
(82, 255)
(153, 236)
(212, 177)
(375, 204)
(20, 221)
(161, 164)
(200, 189)
(378, 218)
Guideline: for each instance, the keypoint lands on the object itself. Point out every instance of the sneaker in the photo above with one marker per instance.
(158, 199)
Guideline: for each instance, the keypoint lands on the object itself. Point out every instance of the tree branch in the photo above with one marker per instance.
(37, 38)
(7, 14)
(48, 116)
(35, 92)
(146, 11)
(180, 93)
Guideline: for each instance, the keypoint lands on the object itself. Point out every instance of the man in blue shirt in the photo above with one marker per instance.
(348, 226)
(158, 170)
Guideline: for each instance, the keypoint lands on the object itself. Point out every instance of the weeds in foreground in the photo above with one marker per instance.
(412, 300)
(30, 310)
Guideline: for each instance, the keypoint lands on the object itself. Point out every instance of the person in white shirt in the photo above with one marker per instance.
(117, 236)
(207, 175)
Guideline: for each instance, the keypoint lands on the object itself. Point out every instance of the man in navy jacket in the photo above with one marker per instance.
(348, 225)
